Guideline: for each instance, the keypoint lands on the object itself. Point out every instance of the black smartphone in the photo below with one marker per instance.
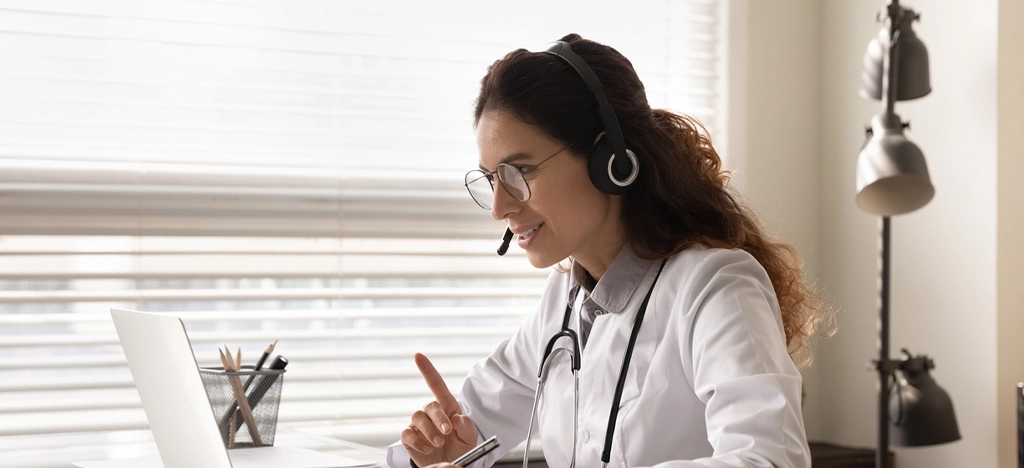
(477, 452)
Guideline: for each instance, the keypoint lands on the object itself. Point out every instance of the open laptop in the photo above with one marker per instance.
(184, 427)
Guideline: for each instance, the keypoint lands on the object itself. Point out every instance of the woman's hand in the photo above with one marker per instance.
(439, 432)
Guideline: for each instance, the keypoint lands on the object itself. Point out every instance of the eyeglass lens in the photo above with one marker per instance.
(481, 187)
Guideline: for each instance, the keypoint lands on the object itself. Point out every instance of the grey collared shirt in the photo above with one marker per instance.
(615, 289)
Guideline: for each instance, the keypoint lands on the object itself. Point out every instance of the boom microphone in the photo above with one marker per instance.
(505, 241)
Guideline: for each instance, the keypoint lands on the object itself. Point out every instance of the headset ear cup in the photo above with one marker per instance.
(598, 167)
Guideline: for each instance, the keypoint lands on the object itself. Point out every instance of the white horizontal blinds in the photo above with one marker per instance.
(349, 314)
(135, 118)
(269, 170)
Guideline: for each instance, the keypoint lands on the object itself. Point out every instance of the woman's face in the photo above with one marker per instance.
(565, 215)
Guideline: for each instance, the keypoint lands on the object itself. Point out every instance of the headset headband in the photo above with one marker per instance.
(611, 124)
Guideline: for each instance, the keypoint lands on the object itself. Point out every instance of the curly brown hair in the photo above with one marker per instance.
(681, 197)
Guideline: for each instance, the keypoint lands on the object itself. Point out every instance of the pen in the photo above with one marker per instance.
(477, 452)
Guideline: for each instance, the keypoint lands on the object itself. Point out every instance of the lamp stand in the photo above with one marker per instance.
(884, 365)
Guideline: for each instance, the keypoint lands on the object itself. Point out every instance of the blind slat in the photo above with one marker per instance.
(261, 294)
(68, 362)
(293, 395)
(52, 340)
(275, 314)
(124, 381)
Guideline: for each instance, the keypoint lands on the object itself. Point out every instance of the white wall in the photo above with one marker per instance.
(774, 85)
(803, 130)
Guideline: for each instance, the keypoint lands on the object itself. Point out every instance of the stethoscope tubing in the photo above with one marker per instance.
(606, 455)
(536, 399)
(549, 350)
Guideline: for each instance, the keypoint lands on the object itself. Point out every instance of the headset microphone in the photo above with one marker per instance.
(505, 241)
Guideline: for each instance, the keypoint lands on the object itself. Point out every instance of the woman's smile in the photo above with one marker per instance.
(525, 238)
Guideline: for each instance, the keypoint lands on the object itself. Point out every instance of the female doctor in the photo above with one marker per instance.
(686, 316)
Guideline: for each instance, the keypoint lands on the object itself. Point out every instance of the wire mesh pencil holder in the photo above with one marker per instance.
(245, 404)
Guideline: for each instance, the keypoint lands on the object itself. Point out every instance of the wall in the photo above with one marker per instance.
(1010, 259)
(774, 85)
(799, 138)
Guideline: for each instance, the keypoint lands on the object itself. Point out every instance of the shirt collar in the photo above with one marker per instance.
(616, 287)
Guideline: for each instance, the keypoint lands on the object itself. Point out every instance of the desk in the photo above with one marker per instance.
(332, 446)
(142, 445)
(825, 455)
(822, 456)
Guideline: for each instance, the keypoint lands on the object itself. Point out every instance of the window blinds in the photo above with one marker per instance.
(270, 170)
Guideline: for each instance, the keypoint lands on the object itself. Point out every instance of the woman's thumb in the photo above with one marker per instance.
(465, 430)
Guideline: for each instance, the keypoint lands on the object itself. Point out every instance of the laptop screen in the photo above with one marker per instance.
(166, 375)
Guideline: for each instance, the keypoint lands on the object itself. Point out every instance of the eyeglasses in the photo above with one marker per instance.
(480, 183)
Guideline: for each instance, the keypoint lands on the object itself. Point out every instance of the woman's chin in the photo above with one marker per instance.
(541, 261)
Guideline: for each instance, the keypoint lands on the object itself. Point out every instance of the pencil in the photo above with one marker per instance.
(243, 402)
(263, 359)
(259, 364)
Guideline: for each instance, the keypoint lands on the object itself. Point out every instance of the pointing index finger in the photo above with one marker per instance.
(437, 386)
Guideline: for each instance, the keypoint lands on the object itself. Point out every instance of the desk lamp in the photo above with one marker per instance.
(892, 179)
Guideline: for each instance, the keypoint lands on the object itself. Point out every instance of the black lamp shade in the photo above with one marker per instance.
(914, 79)
(921, 411)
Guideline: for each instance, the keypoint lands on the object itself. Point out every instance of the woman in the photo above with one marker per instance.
(659, 252)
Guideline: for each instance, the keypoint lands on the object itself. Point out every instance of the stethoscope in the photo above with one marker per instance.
(549, 350)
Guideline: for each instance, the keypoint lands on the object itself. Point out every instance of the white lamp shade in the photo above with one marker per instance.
(892, 175)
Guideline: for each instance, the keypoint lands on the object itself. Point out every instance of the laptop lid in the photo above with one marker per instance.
(167, 377)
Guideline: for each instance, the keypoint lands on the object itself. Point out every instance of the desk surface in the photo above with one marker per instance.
(134, 444)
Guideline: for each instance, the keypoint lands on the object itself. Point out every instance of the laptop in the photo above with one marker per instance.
(184, 427)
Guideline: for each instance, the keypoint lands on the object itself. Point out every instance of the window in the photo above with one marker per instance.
(270, 170)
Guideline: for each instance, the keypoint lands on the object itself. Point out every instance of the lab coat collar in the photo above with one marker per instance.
(619, 283)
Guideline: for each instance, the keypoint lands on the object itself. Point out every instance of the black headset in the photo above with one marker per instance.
(610, 173)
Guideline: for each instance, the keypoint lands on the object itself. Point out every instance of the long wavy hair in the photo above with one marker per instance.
(681, 197)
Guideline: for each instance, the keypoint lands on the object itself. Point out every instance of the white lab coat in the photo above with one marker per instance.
(710, 383)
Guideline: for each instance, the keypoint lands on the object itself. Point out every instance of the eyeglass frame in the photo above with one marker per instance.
(490, 175)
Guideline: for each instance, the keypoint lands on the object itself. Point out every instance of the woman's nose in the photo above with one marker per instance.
(503, 204)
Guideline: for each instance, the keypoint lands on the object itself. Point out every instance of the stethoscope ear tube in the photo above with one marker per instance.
(565, 332)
